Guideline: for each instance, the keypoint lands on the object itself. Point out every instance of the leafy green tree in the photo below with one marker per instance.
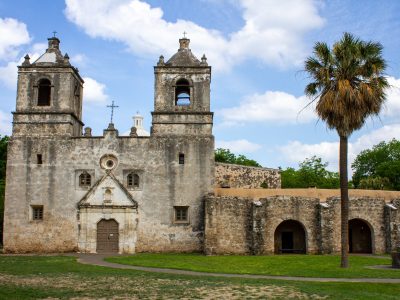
(3, 156)
(374, 183)
(226, 156)
(348, 84)
(3, 163)
(290, 179)
(381, 162)
(312, 173)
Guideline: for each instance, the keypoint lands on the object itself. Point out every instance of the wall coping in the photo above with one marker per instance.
(322, 194)
(242, 166)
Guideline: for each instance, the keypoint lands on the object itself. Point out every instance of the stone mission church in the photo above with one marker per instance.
(72, 192)
(68, 191)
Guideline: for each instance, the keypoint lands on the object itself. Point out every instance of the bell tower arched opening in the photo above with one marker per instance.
(44, 92)
(182, 92)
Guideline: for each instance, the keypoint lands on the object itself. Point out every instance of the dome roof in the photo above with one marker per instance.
(184, 57)
(53, 54)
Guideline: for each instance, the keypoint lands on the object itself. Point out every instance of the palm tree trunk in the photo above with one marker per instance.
(344, 203)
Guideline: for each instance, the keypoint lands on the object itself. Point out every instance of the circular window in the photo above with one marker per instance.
(108, 162)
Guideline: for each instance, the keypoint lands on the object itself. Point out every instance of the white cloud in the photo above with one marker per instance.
(268, 34)
(78, 59)
(39, 49)
(8, 75)
(12, 35)
(273, 106)
(392, 106)
(281, 107)
(94, 91)
(9, 72)
(296, 151)
(5, 123)
(238, 146)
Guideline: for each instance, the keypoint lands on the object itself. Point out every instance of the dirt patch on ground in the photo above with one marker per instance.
(254, 292)
(120, 287)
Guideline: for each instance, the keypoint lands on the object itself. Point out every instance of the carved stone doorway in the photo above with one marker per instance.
(107, 236)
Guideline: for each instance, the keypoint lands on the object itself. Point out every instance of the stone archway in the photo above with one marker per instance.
(107, 236)
(290, 237)
(360, 236)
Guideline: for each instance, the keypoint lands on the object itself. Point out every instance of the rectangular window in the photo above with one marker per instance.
(37, 212)
(181, 158)
(39, 159)
(181, 214)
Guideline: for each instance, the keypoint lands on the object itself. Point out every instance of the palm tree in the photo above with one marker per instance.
(348, 86)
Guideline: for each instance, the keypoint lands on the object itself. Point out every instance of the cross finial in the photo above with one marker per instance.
(112, 106)
(184, 34)
(54, 33)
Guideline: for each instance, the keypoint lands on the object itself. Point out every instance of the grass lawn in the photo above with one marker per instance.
(281, 265)
(60, 277)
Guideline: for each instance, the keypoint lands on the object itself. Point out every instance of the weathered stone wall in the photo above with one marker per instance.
(165, 184)
(236, 176)
(275, 210)
(367, 209)
(228, 225)
(242, 225)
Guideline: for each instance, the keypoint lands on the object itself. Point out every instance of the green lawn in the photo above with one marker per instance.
(38, 277)
(281, 265)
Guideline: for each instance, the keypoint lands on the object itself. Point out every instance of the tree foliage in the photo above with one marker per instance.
(3, 156)
(3, 163)
(312, 172)
(379, 167)
(226, 156)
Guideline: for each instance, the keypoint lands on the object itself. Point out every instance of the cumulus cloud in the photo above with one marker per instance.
(272, 106)
(238, 146)
(5, 123)
(9, 72)
(8, 75)
(12, 35)
(78, 59)
(392, 106)
(94, 91)
(281, 107)
(268, 34)
(296, 151)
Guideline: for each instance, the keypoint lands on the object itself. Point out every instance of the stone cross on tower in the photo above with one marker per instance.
(184, 34)
(112, 106)
(54, 33)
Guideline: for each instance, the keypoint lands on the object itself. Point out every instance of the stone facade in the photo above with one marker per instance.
(235, 176)
(71, 191)
(265, 226)
(62, 184)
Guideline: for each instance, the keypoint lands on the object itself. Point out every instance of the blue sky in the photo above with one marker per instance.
(256, 49)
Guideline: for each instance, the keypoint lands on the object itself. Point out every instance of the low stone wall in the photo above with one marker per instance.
(235, 225)
(322, 194)
(236, 176)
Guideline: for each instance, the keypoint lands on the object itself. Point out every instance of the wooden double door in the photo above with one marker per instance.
(107, 236)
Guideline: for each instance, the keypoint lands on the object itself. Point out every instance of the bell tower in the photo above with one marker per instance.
(182, 94)
(49, 96)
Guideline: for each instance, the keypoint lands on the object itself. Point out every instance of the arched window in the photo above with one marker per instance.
(182, 92)
(44, 92)
(133, 180)
(107, 195)
(85, 180)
